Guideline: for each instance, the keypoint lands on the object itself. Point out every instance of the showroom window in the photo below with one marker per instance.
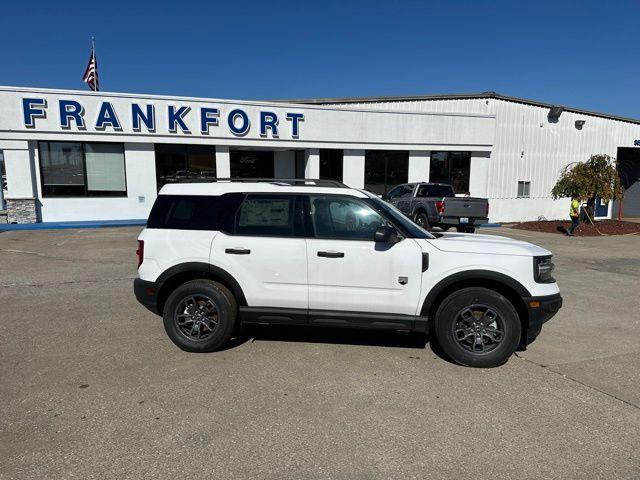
(251, 164)
(523, 189)
(452, 168)
(384, 169)
(74, 169)
(176, 161)
(331, 164)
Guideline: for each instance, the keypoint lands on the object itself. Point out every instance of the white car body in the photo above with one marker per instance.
(285, 274)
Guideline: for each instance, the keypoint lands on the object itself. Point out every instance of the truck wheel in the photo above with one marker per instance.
(422, 220)
(199, 316)
(477, 327)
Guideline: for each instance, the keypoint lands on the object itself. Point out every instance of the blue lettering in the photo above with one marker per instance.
(208, 117)
(137, 116)
(71, 110)
(176, 117)
(245, 125)
(107, 117)
(295, 119)
(33, 108)
(268, 120)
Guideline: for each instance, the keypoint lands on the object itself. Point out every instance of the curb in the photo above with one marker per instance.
(76, 224)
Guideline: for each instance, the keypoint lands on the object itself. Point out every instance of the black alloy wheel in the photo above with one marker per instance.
(200, 315)
(477, 327)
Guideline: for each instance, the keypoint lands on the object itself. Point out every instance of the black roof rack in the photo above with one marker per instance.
(304, 182)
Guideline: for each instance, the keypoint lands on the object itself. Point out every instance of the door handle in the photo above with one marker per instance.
(331, 254)
(237, 251)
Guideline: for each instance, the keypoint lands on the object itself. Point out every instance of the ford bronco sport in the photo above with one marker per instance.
(215, 255)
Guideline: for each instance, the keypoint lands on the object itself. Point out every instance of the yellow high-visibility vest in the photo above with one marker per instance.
(574, 211)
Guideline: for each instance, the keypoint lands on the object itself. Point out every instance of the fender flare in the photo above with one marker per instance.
(467, 275)
(207, 268)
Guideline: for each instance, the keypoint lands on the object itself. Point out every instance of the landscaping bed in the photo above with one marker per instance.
(606, 227)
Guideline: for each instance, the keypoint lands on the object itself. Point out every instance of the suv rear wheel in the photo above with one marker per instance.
(199, 316)
(477, 327)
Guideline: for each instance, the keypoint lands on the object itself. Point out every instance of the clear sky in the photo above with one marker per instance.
(580, 54)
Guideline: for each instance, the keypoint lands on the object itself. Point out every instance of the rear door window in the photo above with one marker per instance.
(269, 216)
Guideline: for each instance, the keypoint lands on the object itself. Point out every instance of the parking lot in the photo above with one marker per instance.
(91, 387)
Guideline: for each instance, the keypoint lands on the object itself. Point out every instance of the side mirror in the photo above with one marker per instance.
(386, 234)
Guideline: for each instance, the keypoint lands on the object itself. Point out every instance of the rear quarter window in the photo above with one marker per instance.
(192, 212)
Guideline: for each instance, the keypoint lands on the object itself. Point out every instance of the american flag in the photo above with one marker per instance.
(90, 76)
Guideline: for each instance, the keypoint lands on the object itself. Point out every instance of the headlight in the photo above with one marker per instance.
(543, 270)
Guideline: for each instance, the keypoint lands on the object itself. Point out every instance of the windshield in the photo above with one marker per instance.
(398, 218)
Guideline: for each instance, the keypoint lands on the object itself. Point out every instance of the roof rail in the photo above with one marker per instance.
(305, 182)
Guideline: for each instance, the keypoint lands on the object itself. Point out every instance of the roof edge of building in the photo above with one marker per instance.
(455, 96)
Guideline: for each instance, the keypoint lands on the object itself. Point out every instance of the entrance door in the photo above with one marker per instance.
(350, 272)
(628, 165)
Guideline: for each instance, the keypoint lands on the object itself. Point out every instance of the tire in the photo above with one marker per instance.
(422, 220)
(207, 311)
(453, 326)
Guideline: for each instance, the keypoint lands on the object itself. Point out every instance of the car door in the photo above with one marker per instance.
(265, 251)
(352, 279)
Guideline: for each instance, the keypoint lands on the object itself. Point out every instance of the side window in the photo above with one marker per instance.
(268, 216)
(401, 191)
(192, 212)
(343, 218)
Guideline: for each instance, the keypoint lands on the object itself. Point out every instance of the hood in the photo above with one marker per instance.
(486, 244)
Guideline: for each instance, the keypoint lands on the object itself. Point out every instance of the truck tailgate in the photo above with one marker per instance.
(465, 207)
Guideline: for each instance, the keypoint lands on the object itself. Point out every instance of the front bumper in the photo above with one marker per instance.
(540, 310)
(147, 294)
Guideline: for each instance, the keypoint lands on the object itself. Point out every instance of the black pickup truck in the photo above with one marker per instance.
(436, 205)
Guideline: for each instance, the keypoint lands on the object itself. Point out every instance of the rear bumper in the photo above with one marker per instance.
(455, 221)
(147, 294)
(541, 310)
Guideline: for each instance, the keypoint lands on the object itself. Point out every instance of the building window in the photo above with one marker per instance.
(384, 169)
(452, 168)
(74, 169)
(176, 160)
(251, 164)
(331, 164)
(523, 189)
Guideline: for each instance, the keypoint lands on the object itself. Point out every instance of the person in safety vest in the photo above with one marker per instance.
(574, 213)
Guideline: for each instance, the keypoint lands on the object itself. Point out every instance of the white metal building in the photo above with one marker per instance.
(70, 155)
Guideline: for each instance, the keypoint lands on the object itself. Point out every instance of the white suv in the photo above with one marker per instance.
(215, 255)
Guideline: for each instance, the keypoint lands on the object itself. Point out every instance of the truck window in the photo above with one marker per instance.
(435, 191)
(400, 191)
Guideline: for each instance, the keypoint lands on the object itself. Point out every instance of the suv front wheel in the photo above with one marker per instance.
(199, 316)
(477, 327)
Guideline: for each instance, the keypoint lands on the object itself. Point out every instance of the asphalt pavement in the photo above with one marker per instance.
(91, 387)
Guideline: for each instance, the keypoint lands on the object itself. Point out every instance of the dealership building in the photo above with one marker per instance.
(71, 155)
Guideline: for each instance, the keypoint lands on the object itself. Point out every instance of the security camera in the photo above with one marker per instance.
(580, 124)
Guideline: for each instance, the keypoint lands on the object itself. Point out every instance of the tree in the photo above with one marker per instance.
(597, 177)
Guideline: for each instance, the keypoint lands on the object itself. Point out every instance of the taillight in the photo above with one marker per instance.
(140, 252)
(440, 206)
